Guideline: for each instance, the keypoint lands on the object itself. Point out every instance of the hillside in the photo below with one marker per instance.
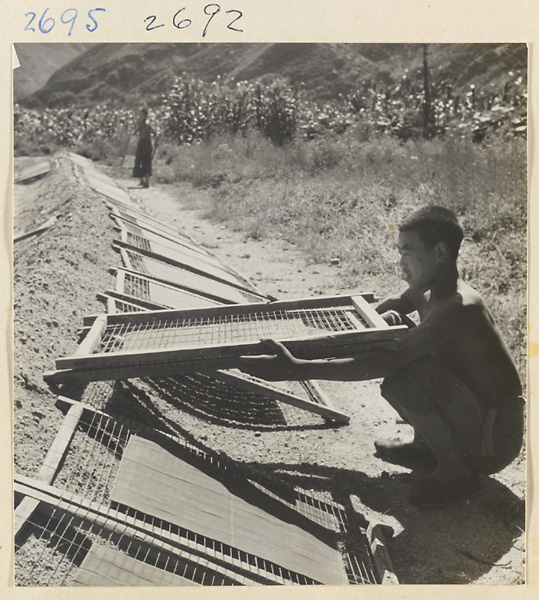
(127, 72)
(39, 62)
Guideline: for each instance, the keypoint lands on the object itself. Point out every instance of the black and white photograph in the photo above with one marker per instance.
(269, 313)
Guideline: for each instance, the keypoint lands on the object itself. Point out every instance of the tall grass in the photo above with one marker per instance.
(341, 197)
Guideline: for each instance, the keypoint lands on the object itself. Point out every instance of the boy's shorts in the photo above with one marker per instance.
(488, 430)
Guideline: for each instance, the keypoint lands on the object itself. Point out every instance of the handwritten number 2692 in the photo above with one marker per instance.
(68, 17)
(182, 23)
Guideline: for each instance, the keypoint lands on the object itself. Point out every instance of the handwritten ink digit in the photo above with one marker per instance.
(240, 15)
(211, 14)
(28, 28)
(71, 20)
(42, 24)
(179, 25)
(152, 19)
(92, 28)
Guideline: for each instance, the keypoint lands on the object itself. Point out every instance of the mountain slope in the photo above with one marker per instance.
(39, 62)
(130, 72)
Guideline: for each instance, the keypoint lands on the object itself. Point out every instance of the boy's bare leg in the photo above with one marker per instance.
(434, 430)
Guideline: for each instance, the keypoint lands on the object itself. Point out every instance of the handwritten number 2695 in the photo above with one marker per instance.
(182, 23)
(68, 17)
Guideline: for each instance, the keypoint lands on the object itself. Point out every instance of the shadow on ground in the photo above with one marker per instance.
(468, 537)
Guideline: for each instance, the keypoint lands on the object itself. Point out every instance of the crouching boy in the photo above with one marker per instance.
(451, 378)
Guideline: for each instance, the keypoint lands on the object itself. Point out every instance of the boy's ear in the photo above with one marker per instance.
(442, 252)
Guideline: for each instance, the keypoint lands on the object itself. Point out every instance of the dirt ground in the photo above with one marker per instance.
(57, 276)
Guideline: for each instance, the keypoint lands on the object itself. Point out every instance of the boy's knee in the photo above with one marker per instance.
(390, 386)
(408, 389)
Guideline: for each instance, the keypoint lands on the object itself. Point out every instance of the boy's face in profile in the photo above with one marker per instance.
(420, 266)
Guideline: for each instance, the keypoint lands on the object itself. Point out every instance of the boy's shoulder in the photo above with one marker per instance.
(461, 308)
(468, 296)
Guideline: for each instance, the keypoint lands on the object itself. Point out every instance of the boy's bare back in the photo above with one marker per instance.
(475, 350)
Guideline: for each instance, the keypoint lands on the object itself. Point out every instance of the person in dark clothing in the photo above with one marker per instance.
(144, 153)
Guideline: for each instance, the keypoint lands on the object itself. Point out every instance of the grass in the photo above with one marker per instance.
(343, 197)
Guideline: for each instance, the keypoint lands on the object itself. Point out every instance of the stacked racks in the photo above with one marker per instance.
(102, 509)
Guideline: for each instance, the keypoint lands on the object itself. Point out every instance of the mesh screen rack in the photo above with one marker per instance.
(179, 258)
(153, 234)
(156, 343)
(168, 271)
(84, 520)
(305, 395)
(141, 217)
(156, 294)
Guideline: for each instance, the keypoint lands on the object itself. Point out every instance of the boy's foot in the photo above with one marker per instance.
(431, 492)
(401, 453)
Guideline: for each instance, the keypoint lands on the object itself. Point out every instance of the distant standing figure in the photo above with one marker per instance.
(144, 154)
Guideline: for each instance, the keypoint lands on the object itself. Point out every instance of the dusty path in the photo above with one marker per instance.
(457, 544)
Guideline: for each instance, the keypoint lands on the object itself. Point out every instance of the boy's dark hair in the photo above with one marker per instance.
(435, 224)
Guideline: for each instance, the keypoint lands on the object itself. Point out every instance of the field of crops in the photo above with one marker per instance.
(196, 111)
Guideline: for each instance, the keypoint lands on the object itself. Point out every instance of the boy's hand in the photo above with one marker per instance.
(276, 367)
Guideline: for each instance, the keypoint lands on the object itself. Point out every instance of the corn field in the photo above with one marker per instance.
(194, 111)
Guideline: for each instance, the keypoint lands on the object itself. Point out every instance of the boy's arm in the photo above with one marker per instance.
(404, 303)
(442, 323)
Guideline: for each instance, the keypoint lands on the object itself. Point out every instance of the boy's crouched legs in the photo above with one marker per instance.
(428, 398)
(405, 392)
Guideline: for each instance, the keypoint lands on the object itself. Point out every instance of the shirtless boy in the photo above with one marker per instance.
(451, 377)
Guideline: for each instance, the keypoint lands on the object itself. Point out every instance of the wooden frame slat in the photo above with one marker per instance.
(24, 234)
(50, 465)
(367, 312)
(325, 409)
(61, 442)
(93, 337)
(318, 302)
(35, 170)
